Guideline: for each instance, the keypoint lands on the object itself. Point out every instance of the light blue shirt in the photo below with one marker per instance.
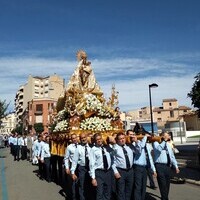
(20, 141)
(35, 147)
(10, 140)
(160, 153)
(70, 150)
(79, 157)
(96, 159)
(119, 157)
(24, 141)
(39, 146)
(141, 158)
(45, 151)
(14, 141)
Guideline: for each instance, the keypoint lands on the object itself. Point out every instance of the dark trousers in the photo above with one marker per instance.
(60, 170)
(54, 172)
(140, 181)
(150, 176)
(29, 154)
(84, 184)
(163, 177)
(12, 149)
(16, 149)
(24, 152)
(124, 184)
(104, 187)
(47, 169)
(71, 187)
(113, 187)
(41, 169)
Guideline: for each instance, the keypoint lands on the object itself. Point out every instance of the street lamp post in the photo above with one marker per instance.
(153, 85)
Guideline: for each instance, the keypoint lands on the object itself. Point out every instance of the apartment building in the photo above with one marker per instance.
(38, 92)
(168, 115)
(169, 112)
(19, 103)
(140, 114)
(8, 123)
(40, 111)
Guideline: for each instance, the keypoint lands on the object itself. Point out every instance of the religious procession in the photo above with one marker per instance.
(89, 153)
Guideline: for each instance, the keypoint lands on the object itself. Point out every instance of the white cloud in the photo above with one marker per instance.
(130, 76)
(134, 94)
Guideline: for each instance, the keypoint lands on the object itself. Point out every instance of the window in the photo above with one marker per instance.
(159, 119)
(39, 107)
(171, 113)
(159, 112)
(30, 118)
(170, 104)
(38, 119)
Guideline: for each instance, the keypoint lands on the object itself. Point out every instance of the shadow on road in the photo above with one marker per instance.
(187, 173)
(151, 196)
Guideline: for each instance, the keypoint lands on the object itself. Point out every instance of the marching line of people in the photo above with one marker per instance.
(97, 170)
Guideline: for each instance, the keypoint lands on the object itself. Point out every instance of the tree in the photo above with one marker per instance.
(19, 129)
(39, 128)
(194, 94)
(3, 108)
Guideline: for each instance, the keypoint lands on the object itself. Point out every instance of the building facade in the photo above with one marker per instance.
(170, 112)
(33, 98)
(141, 114)
(40, 111)
(167, 117)
(8, 123)
(192, 121)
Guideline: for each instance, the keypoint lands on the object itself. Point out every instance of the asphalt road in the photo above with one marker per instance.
(18, 181)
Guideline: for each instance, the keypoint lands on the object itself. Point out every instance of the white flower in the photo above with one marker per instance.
(61, 115)
(61, 126)
(96, 124)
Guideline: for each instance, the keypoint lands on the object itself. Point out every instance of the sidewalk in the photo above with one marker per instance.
(188, 162)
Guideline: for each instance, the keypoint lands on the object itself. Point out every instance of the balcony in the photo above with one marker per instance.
(21, 100)
(38, 112)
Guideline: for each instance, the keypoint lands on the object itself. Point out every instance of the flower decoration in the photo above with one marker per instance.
(96, 124)
(62, 115)
(93, 104)
(61, 126)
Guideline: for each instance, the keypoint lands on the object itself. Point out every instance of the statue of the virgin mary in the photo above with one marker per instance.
(83, 79)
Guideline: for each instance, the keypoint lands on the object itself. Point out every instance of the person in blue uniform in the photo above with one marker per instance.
(141, 163)
(80, 167)
(69, 155)
(164, 158)
(100, 168)
(122, 167)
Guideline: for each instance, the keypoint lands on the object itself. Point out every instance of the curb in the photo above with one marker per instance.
(192, 182)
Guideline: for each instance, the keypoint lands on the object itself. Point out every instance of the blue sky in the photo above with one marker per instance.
(130, 43)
